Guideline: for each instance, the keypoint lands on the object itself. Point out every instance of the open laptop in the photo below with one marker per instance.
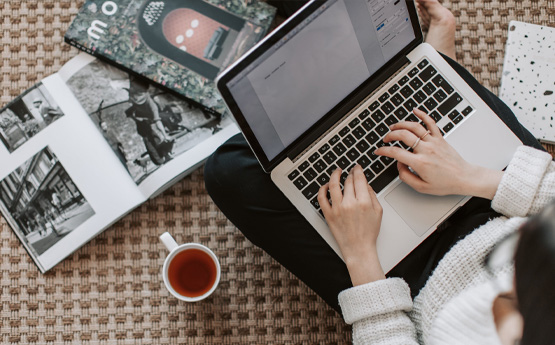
(320, 92)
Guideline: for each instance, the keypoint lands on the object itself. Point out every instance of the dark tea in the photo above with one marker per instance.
(192, 273)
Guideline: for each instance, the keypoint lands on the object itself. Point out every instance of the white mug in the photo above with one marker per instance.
(175, 249)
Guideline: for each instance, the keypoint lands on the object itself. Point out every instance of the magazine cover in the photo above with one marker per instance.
(180, 44)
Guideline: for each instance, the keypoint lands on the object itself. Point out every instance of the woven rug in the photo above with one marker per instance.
(111, 292)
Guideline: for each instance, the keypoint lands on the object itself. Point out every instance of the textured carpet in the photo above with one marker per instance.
(111, 292)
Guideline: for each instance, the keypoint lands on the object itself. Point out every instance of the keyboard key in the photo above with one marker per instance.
(420, 96)
(448, 127)
(368, 124)
(374, 106)
(467, 111)
(391, 120)
(344, 131)
(458, 119)
(331, 169)
(324, 148)
(442, 83)
(353, 155)
(394, 89)
(386, 160)
(423, 108)
(449, 104)
(387, 108)
(435, 115)
(354, 123)
(304, 166)
(372, 155)
(334, 140)
(343, 163)
(429, 88)
(412, 118)
(377, 167)
(300, 183)
(384, 97)
(315, 203)
(404, 80)
(385, 178)
(364, 114)
(453, 114)
(310, 174)
(423, 64)
(320, 166)
(440, 96)
(330, 157)
(378, 116)
(428, 73)
(372, 137)
(311, 191)
(413, 72)
(359, 132)
(406, 91)
(293, 175)
(416, 83)
(343, 177)
(430, 104)
(397, 99)
(410, 104)
(314, 157)
(323, 179)
(369, 175)
(382, 129)
(349, 141)
(339, 149)
(364, 162)
(381, 144)
(362, 146)
(401, 113)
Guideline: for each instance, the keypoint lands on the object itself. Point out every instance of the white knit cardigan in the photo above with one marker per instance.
(454, 307)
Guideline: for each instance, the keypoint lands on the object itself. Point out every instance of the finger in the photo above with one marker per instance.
(335, 187)
(414, 127)
(428, 121)
(349, 186)
(409, 178)
(323, 199)
(406, 136)
(360, 182)
(398, 154)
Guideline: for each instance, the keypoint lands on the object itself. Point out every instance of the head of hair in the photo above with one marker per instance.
(535, 277)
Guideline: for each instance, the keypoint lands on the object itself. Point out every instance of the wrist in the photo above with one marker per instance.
(483, 182)
(365, 268)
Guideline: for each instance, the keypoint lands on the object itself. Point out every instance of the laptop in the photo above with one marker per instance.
(320, 92)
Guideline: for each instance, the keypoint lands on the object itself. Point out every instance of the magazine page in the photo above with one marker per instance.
(60, 184)
(155, 135)
(181, 45)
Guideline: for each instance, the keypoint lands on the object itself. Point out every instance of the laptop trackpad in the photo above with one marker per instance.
(420, 211)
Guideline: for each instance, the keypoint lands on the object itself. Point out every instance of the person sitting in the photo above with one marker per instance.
(460, 285)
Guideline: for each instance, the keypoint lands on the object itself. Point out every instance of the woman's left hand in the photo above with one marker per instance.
(354, 218)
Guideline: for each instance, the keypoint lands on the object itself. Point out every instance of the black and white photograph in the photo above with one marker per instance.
(43, 201)
(26, 116)
(145, 126)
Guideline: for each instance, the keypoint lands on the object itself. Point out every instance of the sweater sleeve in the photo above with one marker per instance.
(528, 184)
(378, 312)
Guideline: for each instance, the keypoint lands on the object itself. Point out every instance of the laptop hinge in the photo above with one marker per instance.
(366, 92)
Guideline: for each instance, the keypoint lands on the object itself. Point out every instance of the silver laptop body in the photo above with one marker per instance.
(326, 82)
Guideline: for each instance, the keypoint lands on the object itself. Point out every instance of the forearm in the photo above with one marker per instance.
(482, 182)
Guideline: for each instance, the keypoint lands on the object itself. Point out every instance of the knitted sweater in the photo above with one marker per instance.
(454, 307)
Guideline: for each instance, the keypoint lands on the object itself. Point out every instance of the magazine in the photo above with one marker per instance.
(87, 145)
(180, 44)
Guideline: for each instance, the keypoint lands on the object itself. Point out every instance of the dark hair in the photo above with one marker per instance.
(535, 277)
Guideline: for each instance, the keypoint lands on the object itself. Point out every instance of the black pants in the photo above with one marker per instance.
(248, 197)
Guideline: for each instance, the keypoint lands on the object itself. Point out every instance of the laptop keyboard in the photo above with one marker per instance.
(422, 87)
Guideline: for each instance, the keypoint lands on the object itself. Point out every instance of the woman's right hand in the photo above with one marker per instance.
(435, 167)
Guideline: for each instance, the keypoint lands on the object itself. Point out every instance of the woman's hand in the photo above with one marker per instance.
(436, 167)
(354, 218)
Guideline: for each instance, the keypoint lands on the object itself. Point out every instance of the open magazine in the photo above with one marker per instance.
(87, 145)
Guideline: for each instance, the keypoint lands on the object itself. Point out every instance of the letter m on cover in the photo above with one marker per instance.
(95, 29)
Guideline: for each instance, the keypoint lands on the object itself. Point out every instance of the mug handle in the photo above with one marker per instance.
(168, 241)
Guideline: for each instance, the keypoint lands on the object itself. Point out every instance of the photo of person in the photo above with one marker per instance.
(43, 201)
(26, 116)
(145, 126)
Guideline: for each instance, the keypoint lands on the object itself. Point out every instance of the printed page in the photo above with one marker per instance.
(155, 135)
(60, 183)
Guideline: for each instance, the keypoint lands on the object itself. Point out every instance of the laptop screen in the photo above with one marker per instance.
(298, 80)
